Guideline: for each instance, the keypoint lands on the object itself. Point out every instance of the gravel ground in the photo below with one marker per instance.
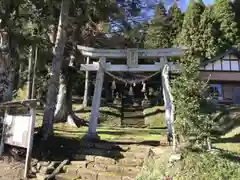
(10, 169)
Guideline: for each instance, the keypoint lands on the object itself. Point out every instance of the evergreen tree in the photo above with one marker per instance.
(176, 20)
(225, 17)
(208, 40)
(190, 34)
(157, 35)
(188, 89)
(236, 8)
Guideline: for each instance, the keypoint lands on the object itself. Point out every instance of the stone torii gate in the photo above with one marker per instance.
(132, 56)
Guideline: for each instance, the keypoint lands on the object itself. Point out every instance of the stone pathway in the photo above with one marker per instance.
(106, 161)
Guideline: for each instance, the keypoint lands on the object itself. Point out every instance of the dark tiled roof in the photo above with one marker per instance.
(229, 51)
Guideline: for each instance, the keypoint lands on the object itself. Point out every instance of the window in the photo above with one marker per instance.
(216, 91)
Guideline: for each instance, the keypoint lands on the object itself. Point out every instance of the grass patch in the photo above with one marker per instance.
(200, 166)
(112, 134)
(194, 165)
(230, 141)
(228, 132)
(204, 165)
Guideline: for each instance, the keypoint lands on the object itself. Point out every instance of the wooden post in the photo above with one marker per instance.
(85, 98)
(30, 138)
(3, 132)
(34, 73)
(92, 130)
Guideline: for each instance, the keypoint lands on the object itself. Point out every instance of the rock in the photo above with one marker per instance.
(175, 157)
(54, 164)
(127, 178)
(104, 160)
(34, 162)
(105, 176)
(159, 150)
(46, 170)
(87, 174)
(214, 151)
(130, 162)
(82, 157)
(41, 176)
(79, 164)
(65, 177)
(113, 168)
(130, 170)
(34, 170)
(42, 164)
(38, 166)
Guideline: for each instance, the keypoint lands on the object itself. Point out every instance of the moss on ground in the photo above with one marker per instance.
(109, 116)
(154, 117)
(107, 133)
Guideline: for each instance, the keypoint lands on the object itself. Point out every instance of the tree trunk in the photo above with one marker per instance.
(9, 91)
(29, 81)
(47, 126)
(5, 65)
(62, 103)
(64, 112)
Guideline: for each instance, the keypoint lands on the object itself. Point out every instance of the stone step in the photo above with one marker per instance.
(135, 122)
(133, 115)
(63, 176)
(84, 155)
(109, 153)
(110, 161)
(89, 174)
(116, 146)
(132, 119)
(101, 145)
(133, 125)
(99, 167)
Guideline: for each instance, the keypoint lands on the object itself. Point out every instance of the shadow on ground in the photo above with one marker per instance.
(233, 139)
(230, 156)
(152, 131)
(157, 111)
(227, 119)
(59, 148)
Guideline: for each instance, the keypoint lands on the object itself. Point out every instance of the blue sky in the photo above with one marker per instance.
(208, 1)
(184, 3)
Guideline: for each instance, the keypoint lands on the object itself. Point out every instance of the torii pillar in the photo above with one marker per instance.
(85, 98)
(92, 129)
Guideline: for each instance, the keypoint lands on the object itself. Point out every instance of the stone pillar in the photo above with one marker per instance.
(85, 98)
(92, 129)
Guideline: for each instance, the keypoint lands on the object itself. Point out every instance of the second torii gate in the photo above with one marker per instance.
(132, 55)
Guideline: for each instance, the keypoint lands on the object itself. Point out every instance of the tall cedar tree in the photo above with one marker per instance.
(188, 89)
(158, 35)
(225, 17)
(176, 21)
(208, 40)
(190, 35)
(236, 8)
